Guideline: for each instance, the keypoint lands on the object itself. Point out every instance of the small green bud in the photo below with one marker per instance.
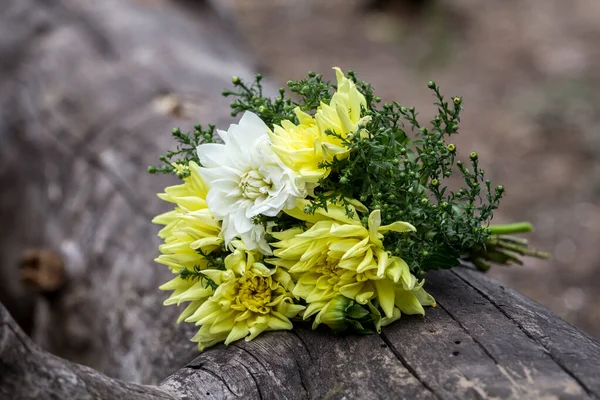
(447, 173)
(363, 198)
(435, 182)
(425, 130)
(378, 195)
(235, 80)
(305, 89)
(225, 93)
(176, 131)
(444, 205)
(459, 164)
(258, 77)
(403, 151)
(290, 83)
(431, 85)
(454, 127)
(343, 180)
(424, 253)
(451, 147)
(500, 188)
(411, 109)
(392, 197)
(457, 101)
(311, 74)
(424, 201)
(473, 156)
(152, 169)
(377, 206)
(278, 100)
(403, 109)
(262, 109)
(377, 99)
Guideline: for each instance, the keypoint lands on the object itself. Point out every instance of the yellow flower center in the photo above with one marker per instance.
(254, 294)
(255, 185)
(331, 273)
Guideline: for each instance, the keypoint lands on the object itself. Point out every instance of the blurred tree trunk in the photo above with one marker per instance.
(89, 92)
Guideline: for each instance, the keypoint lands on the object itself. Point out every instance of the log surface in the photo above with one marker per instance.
(482, 341)
(88, 94)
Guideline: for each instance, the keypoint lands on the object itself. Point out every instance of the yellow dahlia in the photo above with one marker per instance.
(189, 230)
(190, 227)
(333, 258)
(304, 146)
(342, 115)
(298, 147)
(254, 299)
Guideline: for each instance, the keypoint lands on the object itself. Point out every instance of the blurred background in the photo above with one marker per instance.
(529, 72)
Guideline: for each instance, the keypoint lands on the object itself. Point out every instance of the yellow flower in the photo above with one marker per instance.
(190, 227)
(342, 115)
(302, 147)
(334, 257)
(298, 147)
(253, 300)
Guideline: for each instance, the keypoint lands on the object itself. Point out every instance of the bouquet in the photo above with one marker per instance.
(326, 206)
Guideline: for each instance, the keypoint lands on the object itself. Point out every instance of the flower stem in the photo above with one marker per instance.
(508, 229)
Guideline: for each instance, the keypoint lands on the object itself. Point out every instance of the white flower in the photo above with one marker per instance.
(246, 179)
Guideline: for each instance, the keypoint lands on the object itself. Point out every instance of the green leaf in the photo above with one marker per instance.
(357, 312)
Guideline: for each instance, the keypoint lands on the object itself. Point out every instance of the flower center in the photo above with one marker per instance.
(330, 271)
(255, 185)
(254, 294)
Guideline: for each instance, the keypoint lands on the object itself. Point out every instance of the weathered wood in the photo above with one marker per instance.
(466, 348)
(29, 373)
(88, 91)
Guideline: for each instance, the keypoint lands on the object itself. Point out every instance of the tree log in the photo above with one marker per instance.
(88, 93)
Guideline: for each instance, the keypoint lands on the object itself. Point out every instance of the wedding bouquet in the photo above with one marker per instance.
(328, 206)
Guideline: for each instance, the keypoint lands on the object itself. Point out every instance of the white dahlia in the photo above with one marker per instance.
(246, 179)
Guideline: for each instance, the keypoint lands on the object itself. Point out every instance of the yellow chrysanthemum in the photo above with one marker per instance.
(190, 226)
(254, 299)
(342, 115)
(333, 258)
(298, 147)
(302, 147)
(189, 229)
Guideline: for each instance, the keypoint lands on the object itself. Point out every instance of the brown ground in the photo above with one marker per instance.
(530, 75)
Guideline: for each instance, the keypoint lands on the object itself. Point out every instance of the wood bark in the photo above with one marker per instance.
(88, 94)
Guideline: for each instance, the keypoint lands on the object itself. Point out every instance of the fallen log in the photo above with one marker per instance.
(88, 91)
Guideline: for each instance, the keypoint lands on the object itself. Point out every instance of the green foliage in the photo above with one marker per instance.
(196, 274)
(402, 168)
(185, 151)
